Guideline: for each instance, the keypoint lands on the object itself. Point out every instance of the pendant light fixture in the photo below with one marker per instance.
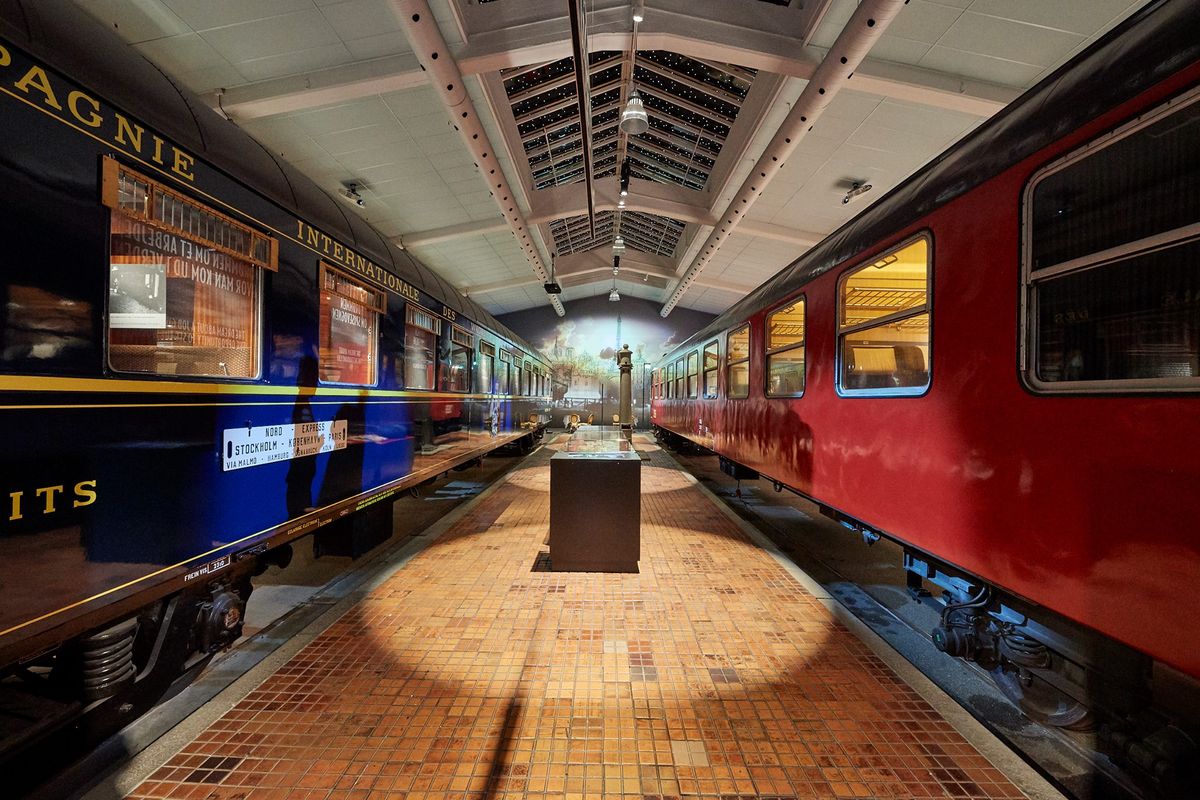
(634, 120)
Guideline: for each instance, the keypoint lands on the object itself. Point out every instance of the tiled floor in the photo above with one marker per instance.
(474, 672)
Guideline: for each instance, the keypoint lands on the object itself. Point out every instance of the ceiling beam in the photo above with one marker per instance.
(407, 241)
(323, 87)
(635, 202)
(760, 36)
(595, 266)
(750, 40)
(663, 199)
(600, 260)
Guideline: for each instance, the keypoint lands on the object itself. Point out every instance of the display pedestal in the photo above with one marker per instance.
(595, 505)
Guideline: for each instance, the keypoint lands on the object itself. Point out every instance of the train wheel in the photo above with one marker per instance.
(1041, 702)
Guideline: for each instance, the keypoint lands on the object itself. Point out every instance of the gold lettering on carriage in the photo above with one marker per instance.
(62, 99)
(337, 252)
(42, 500)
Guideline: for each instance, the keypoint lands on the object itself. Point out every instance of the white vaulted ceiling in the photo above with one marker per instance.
(335, 87)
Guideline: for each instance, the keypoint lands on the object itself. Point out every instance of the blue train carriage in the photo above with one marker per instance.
(202, 359)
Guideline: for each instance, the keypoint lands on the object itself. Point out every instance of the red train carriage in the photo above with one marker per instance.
(997, 365)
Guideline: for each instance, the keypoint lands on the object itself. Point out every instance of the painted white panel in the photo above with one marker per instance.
(289, 33)
(1012, 41)
(136, 21)
(295, 62)
(922, 21)
(186, 52)
(980, 67)
(1080, 16)
(220, 13)
(360, 18)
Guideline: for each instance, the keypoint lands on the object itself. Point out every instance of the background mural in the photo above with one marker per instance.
(582, 347)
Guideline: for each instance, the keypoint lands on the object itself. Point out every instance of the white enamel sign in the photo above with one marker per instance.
(251, 447)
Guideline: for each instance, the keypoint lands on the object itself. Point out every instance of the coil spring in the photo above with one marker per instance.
(1024, 650)
(106, 660)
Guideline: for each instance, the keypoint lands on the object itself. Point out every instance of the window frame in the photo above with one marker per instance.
(516, 377)
(487, 350)
(716, 371)
(435, 320)
(681, 377)
(379, 308)
(112, 171)
(1028, 344)
(468, 347)
(897, 316)
(730, 363)
(768, 351)
(692, 384)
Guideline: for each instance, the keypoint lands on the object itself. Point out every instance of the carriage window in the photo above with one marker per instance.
(693, 374)
(670, 376)
(349, 328)
(487, 366)
(183, 282)
(459, 377)
(420, 348)
(883, 324)
(737, 373)
(1112, 290)
(711, 359)
(528, 385)
(680, 378)
(505, 375)
(785, 351)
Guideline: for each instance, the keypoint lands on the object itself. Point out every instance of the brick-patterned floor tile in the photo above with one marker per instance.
(476, 672)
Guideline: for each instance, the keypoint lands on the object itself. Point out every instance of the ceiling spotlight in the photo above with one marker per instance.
(618, 245)
(856, 188)
(621, 203)
(639, 10)
(350, 194)
(634, 120)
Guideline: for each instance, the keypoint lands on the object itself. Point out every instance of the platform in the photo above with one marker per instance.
(472, 671)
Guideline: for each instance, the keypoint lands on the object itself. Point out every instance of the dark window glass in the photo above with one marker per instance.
(419, 348)
(487, 366)
(1115, 274)
(1145, 183)
(460, 368)
(1138, 318)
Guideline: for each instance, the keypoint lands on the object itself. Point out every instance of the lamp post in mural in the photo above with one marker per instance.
(625, 364)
